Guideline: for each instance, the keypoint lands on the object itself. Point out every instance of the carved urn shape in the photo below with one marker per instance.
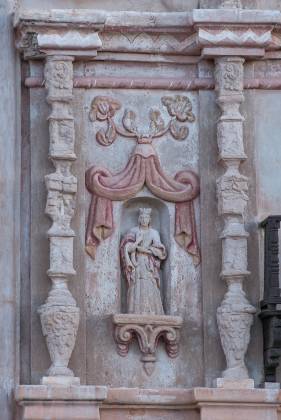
(235, 317)
(60, 319)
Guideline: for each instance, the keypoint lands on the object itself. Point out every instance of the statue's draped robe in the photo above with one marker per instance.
(143, 281)
(143, 168)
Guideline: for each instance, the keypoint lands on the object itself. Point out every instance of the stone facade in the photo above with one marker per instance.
(132, 276)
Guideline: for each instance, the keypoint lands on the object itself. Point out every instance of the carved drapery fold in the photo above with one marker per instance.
(141, 170)
(235, 314)
(60, 314)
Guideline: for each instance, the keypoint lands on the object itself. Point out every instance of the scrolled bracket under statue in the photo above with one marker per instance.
(148, 330)
(143, 169)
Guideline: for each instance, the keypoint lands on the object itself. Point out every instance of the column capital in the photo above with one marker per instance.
(60, 42)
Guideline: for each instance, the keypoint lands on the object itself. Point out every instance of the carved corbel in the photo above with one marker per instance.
(232, 31)
(147, 329)
(39, 41)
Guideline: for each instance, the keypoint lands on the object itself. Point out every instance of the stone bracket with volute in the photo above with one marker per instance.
(148, 330)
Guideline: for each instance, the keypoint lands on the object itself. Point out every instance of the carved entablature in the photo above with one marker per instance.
(199, 32)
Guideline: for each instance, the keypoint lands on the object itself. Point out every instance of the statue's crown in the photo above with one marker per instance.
(144, 212)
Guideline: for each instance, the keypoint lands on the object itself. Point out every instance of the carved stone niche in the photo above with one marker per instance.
(148, 329)
(160, 220)
(146, 273)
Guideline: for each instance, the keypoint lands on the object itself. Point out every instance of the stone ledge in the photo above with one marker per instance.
(178, 396)
(36, 402)
(140, 319)
(58, 393)
(140, 396)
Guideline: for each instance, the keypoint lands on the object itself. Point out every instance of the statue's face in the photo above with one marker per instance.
(144, 220)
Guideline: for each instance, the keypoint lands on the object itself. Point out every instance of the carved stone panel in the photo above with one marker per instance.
(143, 146)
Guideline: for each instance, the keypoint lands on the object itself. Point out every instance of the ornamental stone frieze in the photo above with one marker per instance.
(194, 33)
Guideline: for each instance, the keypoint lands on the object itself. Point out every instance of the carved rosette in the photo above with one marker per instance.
(147, 329)
(60, 314)
(235, 315)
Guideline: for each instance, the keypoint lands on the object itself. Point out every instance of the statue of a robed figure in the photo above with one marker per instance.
(141, 255)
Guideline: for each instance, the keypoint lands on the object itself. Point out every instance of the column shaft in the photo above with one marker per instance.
(235, 314)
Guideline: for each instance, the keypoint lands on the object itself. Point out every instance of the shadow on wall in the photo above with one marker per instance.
(160, 220)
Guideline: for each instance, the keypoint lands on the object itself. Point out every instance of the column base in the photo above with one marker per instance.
(54, 402)
(60, 380)
(271, 385)
(41, 402)
(232, 384)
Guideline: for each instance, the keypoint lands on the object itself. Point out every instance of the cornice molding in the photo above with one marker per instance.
(195, 33)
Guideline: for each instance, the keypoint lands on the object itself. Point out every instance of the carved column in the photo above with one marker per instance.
(235, 314)
(60, 314)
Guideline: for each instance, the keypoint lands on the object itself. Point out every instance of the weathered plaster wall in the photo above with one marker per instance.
(134, 5)
(267, 109)
(9, 209)
(143, 5)
(247, 4)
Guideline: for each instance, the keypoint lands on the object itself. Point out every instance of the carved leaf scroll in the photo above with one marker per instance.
(103, 109)
(156, 122)
(179, 108)
(129, 121)
(178, 132)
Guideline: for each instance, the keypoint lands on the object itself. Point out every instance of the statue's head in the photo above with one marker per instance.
(144, 217)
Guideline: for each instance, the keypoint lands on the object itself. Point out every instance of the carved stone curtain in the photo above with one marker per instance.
(142, 169)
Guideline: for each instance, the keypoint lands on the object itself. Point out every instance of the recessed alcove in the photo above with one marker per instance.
(160, 220)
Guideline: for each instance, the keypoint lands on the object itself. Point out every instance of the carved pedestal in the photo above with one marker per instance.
(148, 329)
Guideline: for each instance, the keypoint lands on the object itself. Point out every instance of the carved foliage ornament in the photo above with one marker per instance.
(229, 77)
(59, 75)
(179, 108)
(60, 325)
